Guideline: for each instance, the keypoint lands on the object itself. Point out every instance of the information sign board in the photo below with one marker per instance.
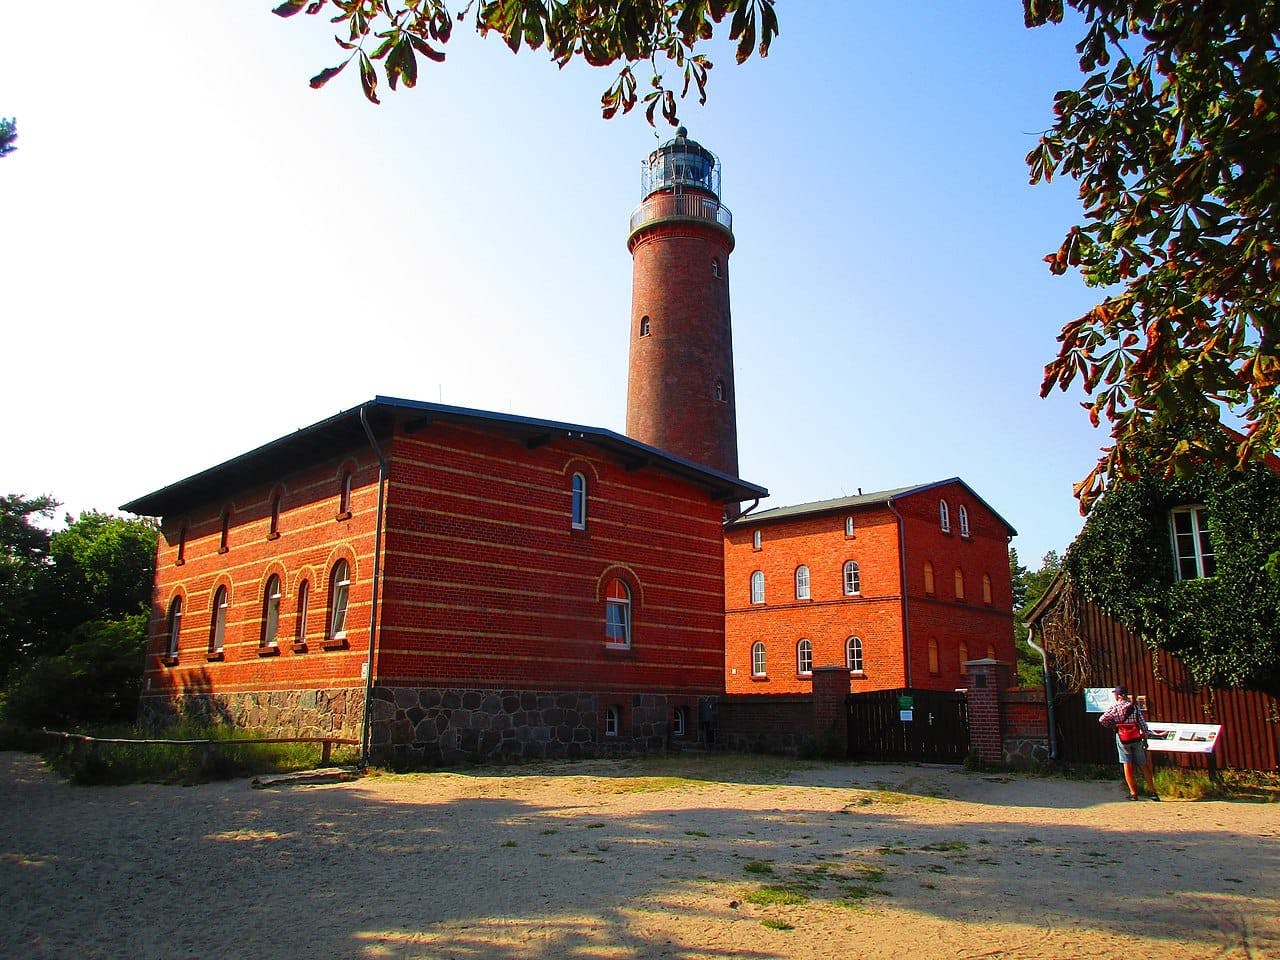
(1183, 737)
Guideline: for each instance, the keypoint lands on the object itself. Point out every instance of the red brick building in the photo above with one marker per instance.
(900, 587)
(447, 582)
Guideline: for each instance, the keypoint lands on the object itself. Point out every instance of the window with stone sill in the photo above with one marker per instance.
(758, 664)
(804, 658)
(853, 654)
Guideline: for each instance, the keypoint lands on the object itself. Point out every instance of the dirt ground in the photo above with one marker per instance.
(635, 859)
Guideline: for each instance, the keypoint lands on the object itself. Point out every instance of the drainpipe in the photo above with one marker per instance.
(1048, 692)
(902, 563)
(373, 605)
(754, 503)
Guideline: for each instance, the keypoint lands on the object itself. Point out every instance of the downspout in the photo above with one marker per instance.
(1048, 692)
(754, 503)
(373, 605)
(902, 564)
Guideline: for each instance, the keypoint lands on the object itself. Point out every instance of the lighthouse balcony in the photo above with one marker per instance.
(681, 206)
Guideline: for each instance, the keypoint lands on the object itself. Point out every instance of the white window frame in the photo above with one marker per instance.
(339, 595)
(644, 325)
(848, 526)
(804, 658)
(175, 625)
(271, 611)
(612, 721)
(1197, 515)
(679, 723)
(304, 600)
(578, 517)
(617, 615)
(853, 657)
(757, 586)
(964, 521)
(218, 626)
(944, 516)
(802, 583)
(755, 540)
(759, 660)
(852, 576)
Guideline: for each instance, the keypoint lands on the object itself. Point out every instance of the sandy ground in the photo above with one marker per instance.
(655, 858)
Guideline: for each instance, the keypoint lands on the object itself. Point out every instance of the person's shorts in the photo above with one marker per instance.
(1135, 752)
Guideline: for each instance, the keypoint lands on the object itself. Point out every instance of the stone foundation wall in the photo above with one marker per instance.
(285, 713)
(765, 724)
(432, 726)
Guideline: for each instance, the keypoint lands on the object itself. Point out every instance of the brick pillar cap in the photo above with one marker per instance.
(984, 662)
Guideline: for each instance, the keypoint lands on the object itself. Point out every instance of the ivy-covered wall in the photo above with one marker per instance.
(1225, 628)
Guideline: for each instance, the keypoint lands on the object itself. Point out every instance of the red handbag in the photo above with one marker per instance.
(1129, 732)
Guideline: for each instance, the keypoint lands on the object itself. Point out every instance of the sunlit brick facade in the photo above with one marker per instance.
(822, 584)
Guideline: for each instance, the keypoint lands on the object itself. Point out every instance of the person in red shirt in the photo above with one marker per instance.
(1134, 753)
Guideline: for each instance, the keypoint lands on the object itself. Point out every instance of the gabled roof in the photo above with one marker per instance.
(345, 430)
(879, 498)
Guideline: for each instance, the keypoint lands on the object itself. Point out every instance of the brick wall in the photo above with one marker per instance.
(967, 627)
(829, 617)
(674, 368)
(486, 586)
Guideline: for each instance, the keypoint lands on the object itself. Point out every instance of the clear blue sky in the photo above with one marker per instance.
(199, 254)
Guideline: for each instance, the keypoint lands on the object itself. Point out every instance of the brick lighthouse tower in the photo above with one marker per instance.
(680, 395)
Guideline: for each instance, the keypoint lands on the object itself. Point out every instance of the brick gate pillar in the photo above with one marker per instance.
(986, 738)
(830, 719)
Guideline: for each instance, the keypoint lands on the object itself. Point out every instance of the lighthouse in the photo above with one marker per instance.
(680, 395)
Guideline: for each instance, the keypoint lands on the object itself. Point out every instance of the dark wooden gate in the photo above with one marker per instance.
(938, 731)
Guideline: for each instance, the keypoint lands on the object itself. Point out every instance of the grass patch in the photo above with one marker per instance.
(120, 763)
(946, 846)
(595, 826)
(509, 843)
(1244, 785)
(696, 833)
(776, 896)
(758, 866)
(776, 924)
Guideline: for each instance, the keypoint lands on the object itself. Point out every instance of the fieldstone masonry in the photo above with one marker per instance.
(288, 713)
(429, 725)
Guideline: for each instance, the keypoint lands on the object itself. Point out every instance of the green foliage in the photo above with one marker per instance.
(24, 559)
(1028, 588)
(1172, 137)
(8, 136)
(102, 569)
(118, 763)
(1223, 627)
(95, 680)
(395, 33)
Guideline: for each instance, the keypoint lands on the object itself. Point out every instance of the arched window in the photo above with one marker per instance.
(175, 625)
(802, 582)
(991, 651)
(304, 598)
(964, 656)
(757, 659)
(224, 538)
(715, 266)
(720, 390)
(757, 587)
(853, 654)
(579, 518)
(852, 579)
(339, 590)
(182, 546)
(928, 578)
(218, 621)
(679, 722)
(944, 516)
(270, 612)
(964, 521)
(612, 721)
(933, 656)
(344, 495)
(644, 325)
(986, 589)
(804, 657)
(274, 531)
(617, 614)
(755, 540)
(848, 526)
(959, 577)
